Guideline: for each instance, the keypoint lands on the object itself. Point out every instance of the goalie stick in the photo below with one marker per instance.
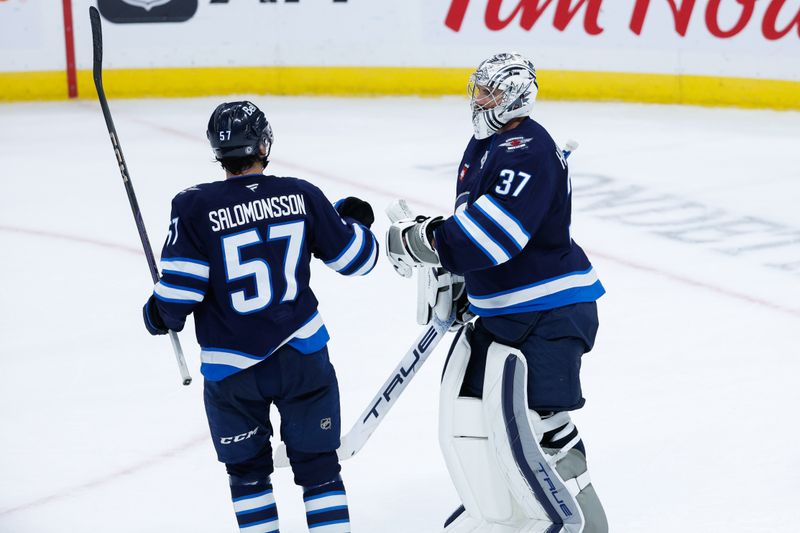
(97, 42)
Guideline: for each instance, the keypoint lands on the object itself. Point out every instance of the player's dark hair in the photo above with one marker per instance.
(237, 165)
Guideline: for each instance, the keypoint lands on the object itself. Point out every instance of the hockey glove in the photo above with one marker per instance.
(152, 318)
(409, 244)
(357, 209)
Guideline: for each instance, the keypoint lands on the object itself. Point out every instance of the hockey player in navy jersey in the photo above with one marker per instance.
(515, 457)
(237, 257)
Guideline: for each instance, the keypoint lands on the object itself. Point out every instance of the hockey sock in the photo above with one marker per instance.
(254, 505)
(326, 507)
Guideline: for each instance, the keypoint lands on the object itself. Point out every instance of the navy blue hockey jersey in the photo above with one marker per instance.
(510, 236)
(237, 256)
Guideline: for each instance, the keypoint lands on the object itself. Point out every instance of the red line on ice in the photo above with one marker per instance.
(108, 478)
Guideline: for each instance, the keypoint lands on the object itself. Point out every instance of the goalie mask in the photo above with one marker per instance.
(501, 89)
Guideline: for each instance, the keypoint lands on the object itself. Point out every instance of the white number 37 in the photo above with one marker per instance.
(508, 177)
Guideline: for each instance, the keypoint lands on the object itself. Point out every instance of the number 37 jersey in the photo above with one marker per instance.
(237, 256)
(510, 235)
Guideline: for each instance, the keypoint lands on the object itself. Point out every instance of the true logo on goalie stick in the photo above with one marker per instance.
(138, 11)
(399, 379)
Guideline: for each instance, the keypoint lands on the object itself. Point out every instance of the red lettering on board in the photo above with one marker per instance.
(529, 12)
(681, 15)
(768, 26)
(712, 18)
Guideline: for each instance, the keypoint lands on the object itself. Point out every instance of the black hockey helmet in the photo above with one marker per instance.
(236, 129)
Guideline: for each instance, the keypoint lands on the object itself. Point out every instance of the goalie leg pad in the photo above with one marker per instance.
(536, 485)
(550, 481)
(465, 446)
(493, 449)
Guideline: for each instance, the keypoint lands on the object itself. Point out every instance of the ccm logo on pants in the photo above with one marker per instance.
(238, 438)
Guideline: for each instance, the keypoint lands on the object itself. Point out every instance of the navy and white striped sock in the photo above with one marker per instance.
(326, 507)
(254, 505)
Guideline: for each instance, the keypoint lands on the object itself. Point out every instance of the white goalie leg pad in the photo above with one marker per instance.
(470, 459)
(531, 477)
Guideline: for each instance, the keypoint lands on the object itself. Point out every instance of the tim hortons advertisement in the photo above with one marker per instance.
(721, 19)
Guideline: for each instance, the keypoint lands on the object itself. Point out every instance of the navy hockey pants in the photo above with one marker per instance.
(304, 389)
(552, 342)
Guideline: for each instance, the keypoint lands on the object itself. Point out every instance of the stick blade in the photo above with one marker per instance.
(97, 42)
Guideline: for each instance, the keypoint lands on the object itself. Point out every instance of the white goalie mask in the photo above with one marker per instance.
(502, 88)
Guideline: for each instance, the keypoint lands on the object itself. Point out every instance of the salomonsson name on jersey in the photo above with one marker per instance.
(215, 252)
(510, 233)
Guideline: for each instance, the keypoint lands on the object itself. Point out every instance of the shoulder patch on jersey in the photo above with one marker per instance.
(463, 172)
(516, 143)
(194, 188)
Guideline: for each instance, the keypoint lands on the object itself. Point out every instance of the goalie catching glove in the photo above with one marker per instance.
(409, 243)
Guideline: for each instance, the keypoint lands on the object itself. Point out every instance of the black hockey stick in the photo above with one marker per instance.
(97, 41)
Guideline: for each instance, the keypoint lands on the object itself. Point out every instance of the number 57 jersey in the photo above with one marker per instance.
(237, 256)
(510, 234)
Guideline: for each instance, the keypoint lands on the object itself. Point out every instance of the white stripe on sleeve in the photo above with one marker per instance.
(366, 268)
(350, 253)
(504, 220)
(482, 239)
(191, 268)
(177, 294)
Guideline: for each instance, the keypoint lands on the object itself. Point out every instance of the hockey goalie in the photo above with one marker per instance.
(512, 376)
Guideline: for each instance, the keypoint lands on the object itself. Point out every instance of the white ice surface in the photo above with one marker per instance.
(692, 394)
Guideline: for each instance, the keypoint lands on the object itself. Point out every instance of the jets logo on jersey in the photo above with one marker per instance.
(516, 143)
(253, 186)
(463, 172)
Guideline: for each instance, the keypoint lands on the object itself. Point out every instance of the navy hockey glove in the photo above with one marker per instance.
(152, 319)
(357, 209)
